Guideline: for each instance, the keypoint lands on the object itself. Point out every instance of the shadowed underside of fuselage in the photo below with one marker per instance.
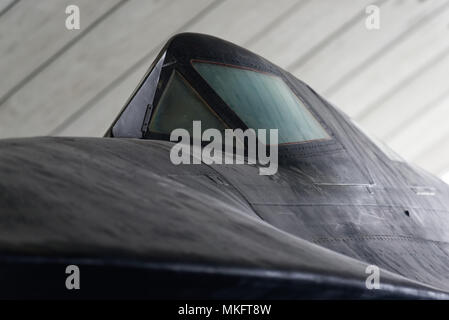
(118, 208)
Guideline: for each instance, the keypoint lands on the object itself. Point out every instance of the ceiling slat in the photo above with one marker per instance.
(398, 21)
(31, 38)
(383, 77)
(78, 75)
(294, 37)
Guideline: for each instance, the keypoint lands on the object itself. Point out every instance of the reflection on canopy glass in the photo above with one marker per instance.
(179, 106)
(262, 101)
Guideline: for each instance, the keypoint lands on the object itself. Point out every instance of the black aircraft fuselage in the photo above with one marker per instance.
(139, 226)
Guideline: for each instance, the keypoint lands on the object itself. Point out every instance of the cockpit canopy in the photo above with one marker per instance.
(202, 78)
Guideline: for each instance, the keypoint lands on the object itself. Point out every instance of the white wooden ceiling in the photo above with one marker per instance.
(392, 81)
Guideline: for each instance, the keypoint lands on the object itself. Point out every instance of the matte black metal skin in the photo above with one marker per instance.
(139, 226)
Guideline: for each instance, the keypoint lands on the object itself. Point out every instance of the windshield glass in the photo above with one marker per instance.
(179, 106)
(262, 101)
